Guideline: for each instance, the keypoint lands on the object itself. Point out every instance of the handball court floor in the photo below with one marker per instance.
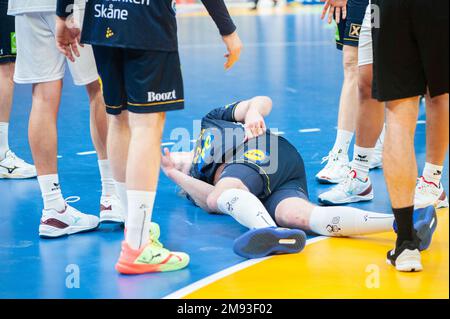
(290, 56)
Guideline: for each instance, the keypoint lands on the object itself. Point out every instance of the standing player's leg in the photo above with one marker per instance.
(337, 167)
(134, 145)
(45, 73)
(347, 39)
(10, 165)
(369, 133)
(84, 73)
(429, 189)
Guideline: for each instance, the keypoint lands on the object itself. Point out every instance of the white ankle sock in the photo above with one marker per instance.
(348, 221)
(433, 173)
(108, 185)
(343, 140)
(51, 192)
(140, 209)
(121, 191)
(361, 161)
(4, 146)
(245, 208)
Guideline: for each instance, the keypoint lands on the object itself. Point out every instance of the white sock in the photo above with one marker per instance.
(4, 145)
(343, 140)
(121, 191)
(380, 142)
(51, 192)
(140, 209)
(245, 208)
(108, 184)
(433, 173)
(348, 221)
(361, 161)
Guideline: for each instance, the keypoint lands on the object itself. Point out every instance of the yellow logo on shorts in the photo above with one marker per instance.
(256, 156)
(109, 33)
(355, 30)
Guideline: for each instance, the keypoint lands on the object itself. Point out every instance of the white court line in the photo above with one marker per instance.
(183, 292)
(168, 144)
(87, 153)
(278, 133)
(421, 122)
(309, 130)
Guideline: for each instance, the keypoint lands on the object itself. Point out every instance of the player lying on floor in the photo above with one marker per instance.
(242, 169)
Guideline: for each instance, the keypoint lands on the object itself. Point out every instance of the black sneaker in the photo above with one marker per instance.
(406, 257)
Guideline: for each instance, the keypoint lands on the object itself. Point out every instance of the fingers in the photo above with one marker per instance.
(232, 58)
(338, 15)
(255, 130)
(331, 14)
(344, 12)
(325, 9)
(74, 48)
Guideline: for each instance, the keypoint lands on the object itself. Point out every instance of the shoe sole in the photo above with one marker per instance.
(137, 269)
(49, 232)
(349, 200)
(328, 181)
(407, 266)
(269, 241)
(110, 219)
(8, 176)
(426, 228)
(442, 203)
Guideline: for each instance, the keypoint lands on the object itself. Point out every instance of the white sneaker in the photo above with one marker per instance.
(351, 190)
(111, 210)
(56, 224)
(336, 169)
(13, 167)
(429, 194)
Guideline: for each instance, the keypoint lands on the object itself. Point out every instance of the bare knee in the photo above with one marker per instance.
(365, 87)
(294, 213)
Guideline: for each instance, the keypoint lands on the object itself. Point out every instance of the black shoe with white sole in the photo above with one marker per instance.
(406, 257)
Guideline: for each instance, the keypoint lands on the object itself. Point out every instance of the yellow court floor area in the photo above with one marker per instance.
(341, 268)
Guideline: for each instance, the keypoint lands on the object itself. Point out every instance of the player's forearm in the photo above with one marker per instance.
(260, 104)
(64, 8)
(219, 13)
(197, 189)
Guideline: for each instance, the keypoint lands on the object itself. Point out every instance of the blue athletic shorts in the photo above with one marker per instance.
(140, 81)
(349, 29)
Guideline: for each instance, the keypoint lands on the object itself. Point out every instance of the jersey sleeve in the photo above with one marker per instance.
(225, 113)
(219, 13)
(63, 9)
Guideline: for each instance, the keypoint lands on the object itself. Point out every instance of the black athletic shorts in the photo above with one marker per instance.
(349, 29)
(7, 36)
(140, 81)
(410, 49)
(285, 186)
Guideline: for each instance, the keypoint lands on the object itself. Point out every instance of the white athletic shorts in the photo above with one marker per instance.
(38, 59)
(365, 49)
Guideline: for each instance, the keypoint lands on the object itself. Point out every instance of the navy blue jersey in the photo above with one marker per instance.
(137, 24)
(222, 141)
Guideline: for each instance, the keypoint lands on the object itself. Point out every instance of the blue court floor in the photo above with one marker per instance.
(289, 57)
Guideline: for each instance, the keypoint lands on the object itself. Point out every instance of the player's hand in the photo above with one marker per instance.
(336, 8)
(68, 36)
(255, 125)
(234, 47)
(167, 164)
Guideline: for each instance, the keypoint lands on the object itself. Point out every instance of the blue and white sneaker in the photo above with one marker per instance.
(262, 242)
(425, 224)
(351, 190)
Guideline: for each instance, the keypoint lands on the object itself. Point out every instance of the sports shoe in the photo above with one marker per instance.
(406, 258)
(335, 171)
(150, 258)
(351, 190)
(428, 193)
(425, 223)
(56, 224)
(262, 242)
(13, 167)
(111, 210)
